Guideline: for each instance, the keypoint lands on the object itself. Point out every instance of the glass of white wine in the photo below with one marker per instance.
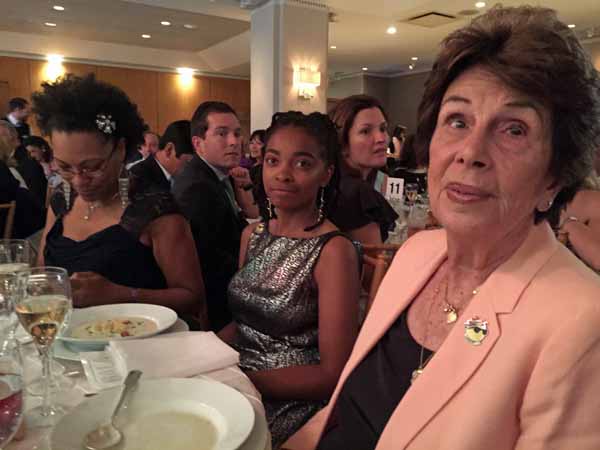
(15, 255)
(11, 390)
(43, 304)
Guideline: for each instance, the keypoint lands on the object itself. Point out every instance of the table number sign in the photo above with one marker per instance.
(394, 188)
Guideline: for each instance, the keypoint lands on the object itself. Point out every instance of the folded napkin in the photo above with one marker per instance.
(182, 354)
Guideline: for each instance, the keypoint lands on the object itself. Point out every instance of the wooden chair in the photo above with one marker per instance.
(10, 218)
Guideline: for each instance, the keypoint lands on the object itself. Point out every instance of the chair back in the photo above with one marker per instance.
(10, 218)
(376, 261)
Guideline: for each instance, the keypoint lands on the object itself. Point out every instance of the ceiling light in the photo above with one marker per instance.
(189, 26)
(333, 47)
(58, 8)
(50, 24)
(146, 36)
(571, 25)
(365, 68)
(165, 23)
(411, 66)
(391, 30)
(480, 5)
(415, 58)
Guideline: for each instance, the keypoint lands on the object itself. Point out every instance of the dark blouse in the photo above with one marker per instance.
(114, 252)
(373, 390)
(358, 204)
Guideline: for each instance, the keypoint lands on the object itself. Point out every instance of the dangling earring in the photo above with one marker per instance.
(270, 208)
(321, 206)
(124, 187)
(66, 187)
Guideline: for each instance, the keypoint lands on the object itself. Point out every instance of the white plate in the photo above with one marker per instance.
(162, 316)
(63, 352)
(216, 410)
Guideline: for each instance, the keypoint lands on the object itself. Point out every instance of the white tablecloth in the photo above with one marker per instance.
(39, 439)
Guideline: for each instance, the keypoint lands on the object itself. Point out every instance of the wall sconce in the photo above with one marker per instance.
(54, 67)
(307, 81)
(186, 77)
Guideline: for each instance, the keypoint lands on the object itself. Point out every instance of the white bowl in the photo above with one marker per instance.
(222, 411)
(162, 316)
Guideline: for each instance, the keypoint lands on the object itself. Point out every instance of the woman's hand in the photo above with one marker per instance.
(90, 288)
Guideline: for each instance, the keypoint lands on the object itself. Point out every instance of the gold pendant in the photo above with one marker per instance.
(451, 313)
(415, 374)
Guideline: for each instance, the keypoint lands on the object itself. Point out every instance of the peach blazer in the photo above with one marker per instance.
(533, 383)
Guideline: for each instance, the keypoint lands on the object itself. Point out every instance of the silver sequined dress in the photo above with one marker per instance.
(274, 301)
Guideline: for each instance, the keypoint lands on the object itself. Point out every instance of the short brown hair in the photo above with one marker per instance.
(345, 112)
(532, 52)
(199, 122)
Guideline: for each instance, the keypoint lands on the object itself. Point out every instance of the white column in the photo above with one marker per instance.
(286, 35)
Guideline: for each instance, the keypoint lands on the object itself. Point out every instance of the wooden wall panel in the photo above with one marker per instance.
(15, 72)
(37, 73)
(177, 101)
(140, 85)
(161, 97)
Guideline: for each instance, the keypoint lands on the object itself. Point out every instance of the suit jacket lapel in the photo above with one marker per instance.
(457, 360)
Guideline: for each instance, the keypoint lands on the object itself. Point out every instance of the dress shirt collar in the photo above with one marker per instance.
(218, 172)
(12, 120)
(168, 176)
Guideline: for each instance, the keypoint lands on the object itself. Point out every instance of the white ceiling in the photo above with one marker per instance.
(359, 30)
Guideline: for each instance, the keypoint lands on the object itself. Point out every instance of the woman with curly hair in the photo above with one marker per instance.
(118, 246)
(294, 299)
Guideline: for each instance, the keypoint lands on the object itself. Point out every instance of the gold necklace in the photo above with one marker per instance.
(451, 310)
(422, 363)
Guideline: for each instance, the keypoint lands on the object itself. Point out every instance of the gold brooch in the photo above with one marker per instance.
(476, 330)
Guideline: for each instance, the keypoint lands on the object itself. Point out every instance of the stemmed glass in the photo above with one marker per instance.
(43, 304)
(11, 389)
(15, 255)
(411, 190)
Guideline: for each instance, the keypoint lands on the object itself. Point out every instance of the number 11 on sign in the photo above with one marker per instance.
(394, 188)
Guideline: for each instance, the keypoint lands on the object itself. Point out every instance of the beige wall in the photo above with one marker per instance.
(405, 96)
(379, 88)
(345, 87)
(161, 97)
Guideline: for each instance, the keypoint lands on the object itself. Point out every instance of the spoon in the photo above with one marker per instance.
(106, 436)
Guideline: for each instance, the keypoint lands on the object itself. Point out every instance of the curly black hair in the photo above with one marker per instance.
(322, 129)
(72, 104)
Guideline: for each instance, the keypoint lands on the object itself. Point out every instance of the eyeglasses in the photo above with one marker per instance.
(93, 171)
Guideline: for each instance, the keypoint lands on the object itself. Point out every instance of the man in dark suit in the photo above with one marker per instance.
(18, 112)
(204, 191)
(174, 150)
(148, 148)
(29, 215)
(30, 170)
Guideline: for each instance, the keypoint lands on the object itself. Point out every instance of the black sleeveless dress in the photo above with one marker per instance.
(114, 252)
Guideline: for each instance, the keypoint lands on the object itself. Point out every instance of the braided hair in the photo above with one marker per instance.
(323, 131)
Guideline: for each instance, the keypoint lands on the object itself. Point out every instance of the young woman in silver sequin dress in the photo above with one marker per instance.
(295, 298)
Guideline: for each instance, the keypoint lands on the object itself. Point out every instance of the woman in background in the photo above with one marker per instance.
(39, 150)
(118, 246)
(360, 210)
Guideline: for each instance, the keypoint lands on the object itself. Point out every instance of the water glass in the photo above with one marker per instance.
(11, 390)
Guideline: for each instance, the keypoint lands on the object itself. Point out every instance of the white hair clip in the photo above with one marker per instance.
(105, 123)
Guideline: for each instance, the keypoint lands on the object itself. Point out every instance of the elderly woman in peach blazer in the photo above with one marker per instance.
(486, 335)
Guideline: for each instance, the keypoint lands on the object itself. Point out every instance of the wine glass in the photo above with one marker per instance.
(11, 390)
(15, 255)
(43, 304)
(411, 190)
